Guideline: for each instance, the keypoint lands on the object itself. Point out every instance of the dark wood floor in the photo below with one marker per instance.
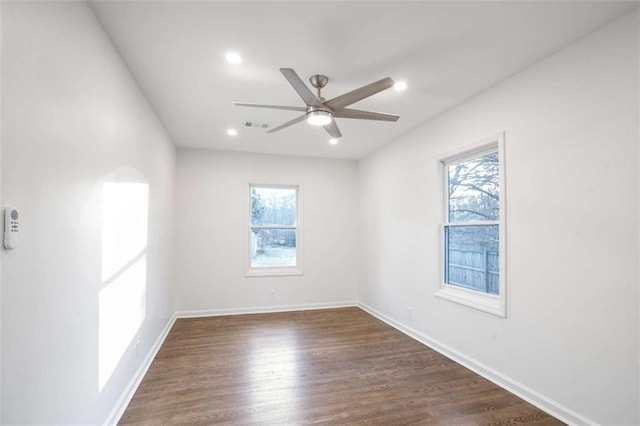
(335, 366)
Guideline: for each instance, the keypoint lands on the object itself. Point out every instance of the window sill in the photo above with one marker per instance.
(481, 301)
(272, 272)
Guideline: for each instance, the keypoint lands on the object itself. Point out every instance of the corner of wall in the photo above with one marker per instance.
(638, 177)
(133, 76)
(1, 127)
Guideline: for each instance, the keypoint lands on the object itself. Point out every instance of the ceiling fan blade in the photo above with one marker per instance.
(359, 94)
(289, 123)
(302, 89)
(333, 130)
(288, 108)
(365, 115)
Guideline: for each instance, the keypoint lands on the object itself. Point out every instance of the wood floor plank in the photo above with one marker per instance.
(334, 366)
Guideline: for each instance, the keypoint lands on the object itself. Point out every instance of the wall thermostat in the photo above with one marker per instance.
(11, 228)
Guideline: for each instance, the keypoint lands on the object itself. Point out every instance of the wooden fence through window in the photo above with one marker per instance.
(476, 270)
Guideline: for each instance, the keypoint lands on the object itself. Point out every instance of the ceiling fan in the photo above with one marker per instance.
(320, 112)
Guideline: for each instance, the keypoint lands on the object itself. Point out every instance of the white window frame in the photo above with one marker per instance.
(265, 271)
(493, 304)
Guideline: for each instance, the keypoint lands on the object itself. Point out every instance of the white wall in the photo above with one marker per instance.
(211, 227)
(571, 125)
(73, 118)
(1, 114)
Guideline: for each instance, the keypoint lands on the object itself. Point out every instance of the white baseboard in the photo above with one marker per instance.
(531, 396)
(265, 309)
(121, 405)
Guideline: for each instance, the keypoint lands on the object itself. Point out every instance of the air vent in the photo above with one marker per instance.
(256, 124)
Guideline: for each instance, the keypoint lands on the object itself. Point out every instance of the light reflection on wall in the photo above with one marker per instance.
(273, 366)
(125, 207)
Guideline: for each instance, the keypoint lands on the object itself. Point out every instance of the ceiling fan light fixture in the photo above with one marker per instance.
(319, 118)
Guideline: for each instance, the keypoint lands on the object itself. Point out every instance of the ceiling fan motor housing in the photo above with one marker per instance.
(317, 108)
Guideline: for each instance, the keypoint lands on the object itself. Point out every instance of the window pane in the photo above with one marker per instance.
(273, 247)
(471, 257)
(273, 206)
(474, 189)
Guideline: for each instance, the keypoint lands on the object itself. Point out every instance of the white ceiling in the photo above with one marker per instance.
(445, 51)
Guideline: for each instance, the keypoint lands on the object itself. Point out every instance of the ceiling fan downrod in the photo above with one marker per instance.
(318, 81)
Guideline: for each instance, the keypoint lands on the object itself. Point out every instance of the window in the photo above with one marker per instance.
(473, 230)
(274, 230)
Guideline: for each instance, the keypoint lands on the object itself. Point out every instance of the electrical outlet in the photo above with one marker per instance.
(409, 312)
(272, 295)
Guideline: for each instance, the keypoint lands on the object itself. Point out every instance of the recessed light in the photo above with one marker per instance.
(232, 132)
(400, 86)
(233, 57)
(333, 141)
